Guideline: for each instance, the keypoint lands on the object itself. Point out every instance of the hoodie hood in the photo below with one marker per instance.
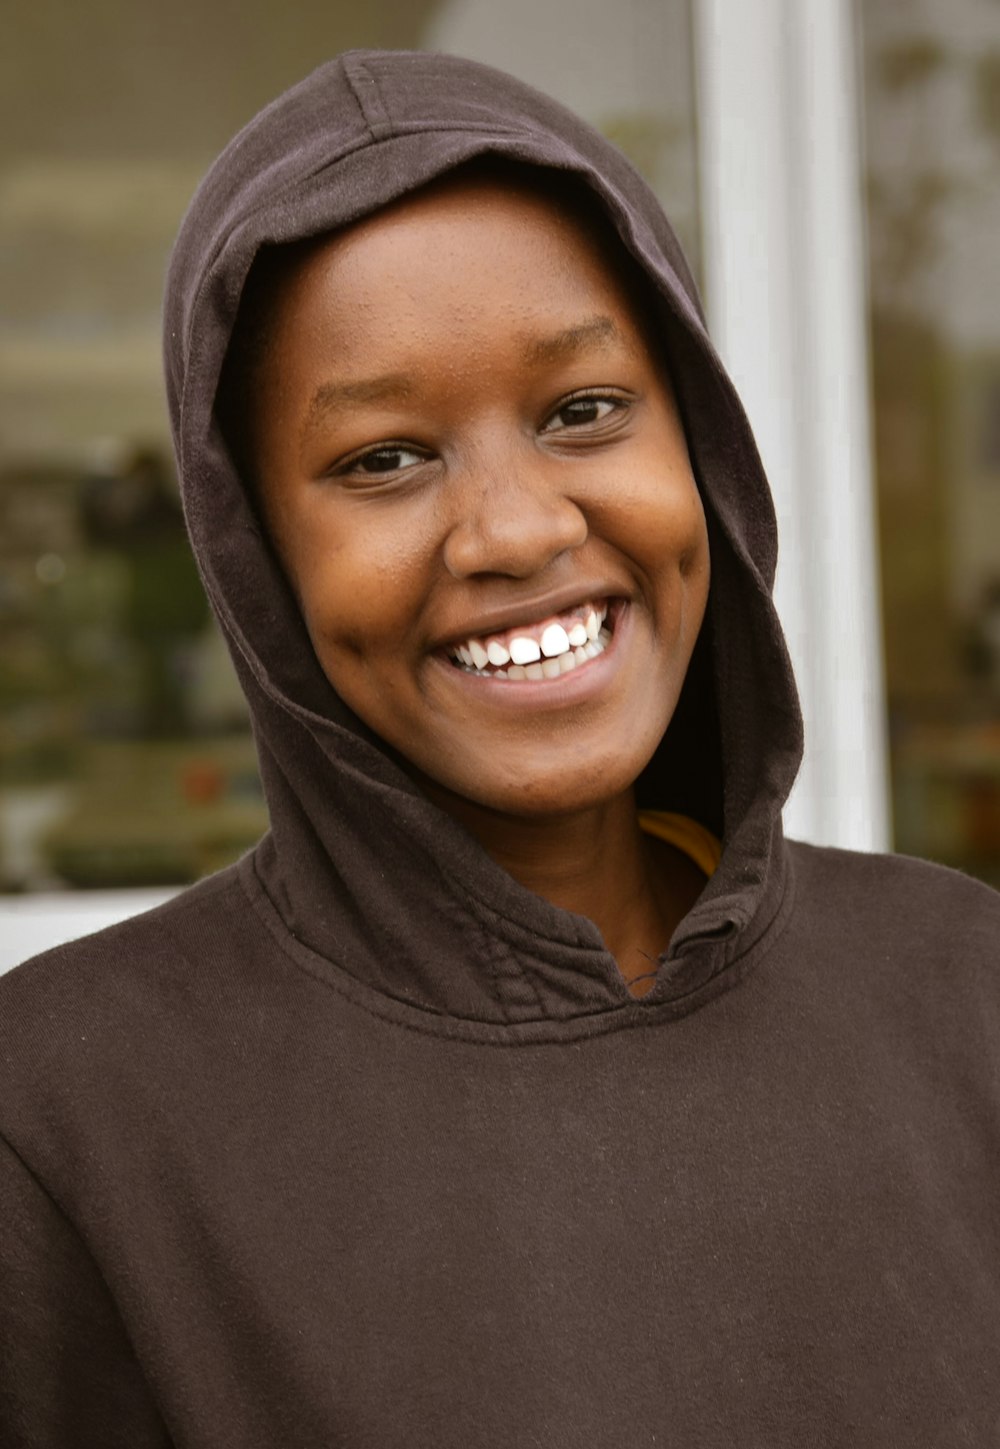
(362, 873)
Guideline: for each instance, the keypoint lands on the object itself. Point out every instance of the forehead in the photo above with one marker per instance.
(498, 230)
(520, 255)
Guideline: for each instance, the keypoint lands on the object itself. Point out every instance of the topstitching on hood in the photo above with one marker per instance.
(361, 869)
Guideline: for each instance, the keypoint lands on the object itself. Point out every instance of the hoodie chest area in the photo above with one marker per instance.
(418, 1242)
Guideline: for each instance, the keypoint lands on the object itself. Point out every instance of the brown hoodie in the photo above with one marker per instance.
(361, 1143)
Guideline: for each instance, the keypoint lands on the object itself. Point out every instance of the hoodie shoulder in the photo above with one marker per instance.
(124, 946)
(889, 884)
(922, 927)
(104, 992)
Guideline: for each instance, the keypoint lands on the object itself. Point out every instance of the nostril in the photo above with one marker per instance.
(515, 537)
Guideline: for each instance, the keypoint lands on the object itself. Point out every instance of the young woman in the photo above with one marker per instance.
(523, 1086)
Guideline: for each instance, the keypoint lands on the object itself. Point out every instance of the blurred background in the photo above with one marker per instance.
(868, 246)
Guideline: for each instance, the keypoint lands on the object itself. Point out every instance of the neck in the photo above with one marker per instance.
(595, 863)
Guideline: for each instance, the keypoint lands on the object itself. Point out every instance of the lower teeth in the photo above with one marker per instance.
(543, 668)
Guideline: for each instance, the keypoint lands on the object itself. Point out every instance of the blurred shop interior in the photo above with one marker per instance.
(125, 755)
(932, 97)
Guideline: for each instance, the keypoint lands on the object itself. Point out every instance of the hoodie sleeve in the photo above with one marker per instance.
(69, 1378)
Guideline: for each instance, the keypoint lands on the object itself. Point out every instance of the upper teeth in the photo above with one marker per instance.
(576, 639)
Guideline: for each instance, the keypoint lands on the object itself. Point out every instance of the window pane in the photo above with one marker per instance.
(932, 75)
(125, 757)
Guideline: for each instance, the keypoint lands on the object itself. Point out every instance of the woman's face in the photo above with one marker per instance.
(474, 471)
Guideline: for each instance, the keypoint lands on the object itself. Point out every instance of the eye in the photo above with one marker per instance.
(587, 411)
(376, 462)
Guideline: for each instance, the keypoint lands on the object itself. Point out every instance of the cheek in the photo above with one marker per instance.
(359, 583)
(671, 508)
(693, 529)
(658, 520)
(694, 567)
(669, 541)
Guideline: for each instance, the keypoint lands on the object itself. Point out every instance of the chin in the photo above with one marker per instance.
(540, 794)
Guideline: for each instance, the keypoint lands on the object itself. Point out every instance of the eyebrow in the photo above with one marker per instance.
(331, 396)
(594, 332)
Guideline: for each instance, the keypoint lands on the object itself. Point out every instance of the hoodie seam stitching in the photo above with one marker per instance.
(378, 127)
(497, 976)
(443, 1026)
(301, 946)
(487, 940)
(473, 1031)
(743, 961)
(486, 908)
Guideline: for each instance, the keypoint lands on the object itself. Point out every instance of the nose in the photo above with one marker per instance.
(513, 519)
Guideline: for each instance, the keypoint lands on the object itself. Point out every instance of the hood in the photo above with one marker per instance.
(365, 875)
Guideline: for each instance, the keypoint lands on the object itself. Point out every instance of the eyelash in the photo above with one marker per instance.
(618, 403)
(384, 450)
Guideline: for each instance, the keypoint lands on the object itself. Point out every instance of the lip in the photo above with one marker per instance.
(530, 611)
(579, 686)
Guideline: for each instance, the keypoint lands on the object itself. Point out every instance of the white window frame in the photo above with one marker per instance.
(780, 172)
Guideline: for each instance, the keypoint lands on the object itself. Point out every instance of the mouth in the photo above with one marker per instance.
(545, 649)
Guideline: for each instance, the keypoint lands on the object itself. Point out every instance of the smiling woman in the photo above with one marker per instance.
(524, 1084)
(462, 441)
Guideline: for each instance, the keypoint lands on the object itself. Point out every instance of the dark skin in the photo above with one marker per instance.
(459, 432)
